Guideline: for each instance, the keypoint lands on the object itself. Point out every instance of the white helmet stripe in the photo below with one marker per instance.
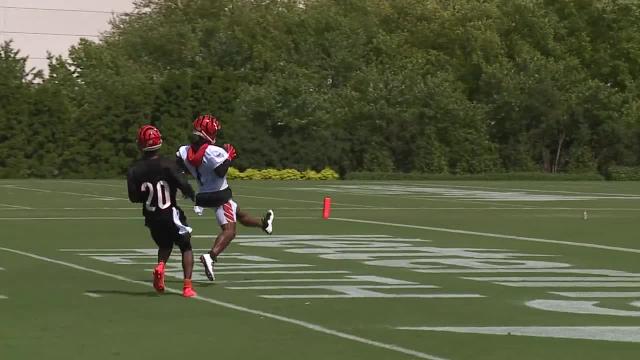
(202, 134)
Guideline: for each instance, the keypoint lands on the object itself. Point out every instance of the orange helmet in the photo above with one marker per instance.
(207, 126)
(149, 138)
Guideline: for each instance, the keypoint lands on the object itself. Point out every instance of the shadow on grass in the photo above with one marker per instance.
(196, 284)
(146, 293)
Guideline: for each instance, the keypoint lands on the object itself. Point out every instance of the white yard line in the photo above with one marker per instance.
(93, 295)
(71, 218)
(15, 207)
(71, 208)
(429, 198)
(532, 190)
(352, 208)
(62, 192)
(193, 217)
(123, 186)
(298, 272)
(300, 323)
(494, 202)
(319, 201)
(500, 236)
(2, 297)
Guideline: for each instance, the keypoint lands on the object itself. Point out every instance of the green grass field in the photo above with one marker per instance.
(402, 270)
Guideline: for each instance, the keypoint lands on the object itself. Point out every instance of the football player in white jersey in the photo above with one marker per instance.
(209, 164)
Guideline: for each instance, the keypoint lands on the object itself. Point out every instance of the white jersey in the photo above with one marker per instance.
(207, 178)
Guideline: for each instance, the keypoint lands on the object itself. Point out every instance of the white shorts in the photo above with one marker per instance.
(226, 213)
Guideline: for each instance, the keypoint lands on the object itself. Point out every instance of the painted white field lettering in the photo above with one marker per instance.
(317, 287)
(529, 270)
(619, 280)
(409, 253)
(583, 307)
(372, 287)
(476, 264)
(235, 263)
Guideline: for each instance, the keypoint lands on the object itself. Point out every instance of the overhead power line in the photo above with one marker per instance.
(48, 34)
(61, 10)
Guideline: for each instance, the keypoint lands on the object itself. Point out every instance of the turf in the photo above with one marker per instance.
(75, 263)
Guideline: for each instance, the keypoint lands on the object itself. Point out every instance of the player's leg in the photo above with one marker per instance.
(158, 271)
(184, 243)
(187, 264)
(247, 220)
(226, 217)
(223, 240)
(266, 223)
(182, 238)
(159, 233)
(164, 254)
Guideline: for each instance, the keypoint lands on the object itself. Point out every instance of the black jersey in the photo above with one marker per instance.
(154, 182)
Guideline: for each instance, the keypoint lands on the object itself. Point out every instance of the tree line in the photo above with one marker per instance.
(435, 86)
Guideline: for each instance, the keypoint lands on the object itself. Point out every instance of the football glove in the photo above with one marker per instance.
(231, 151)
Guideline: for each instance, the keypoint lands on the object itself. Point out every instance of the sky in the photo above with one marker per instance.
(38, 26)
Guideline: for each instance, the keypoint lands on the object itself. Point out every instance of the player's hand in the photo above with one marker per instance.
(231, 151)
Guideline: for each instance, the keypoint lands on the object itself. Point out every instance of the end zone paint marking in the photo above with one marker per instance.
(501, 236)
(304, 324)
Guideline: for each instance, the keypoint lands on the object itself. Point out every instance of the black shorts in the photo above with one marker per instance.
(166, 231)
(214, 199)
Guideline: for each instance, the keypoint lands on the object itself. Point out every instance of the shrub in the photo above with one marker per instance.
(623, 173)
(285, 174)
(486, 176)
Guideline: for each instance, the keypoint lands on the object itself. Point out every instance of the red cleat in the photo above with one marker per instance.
(188, 292)
(158, 278)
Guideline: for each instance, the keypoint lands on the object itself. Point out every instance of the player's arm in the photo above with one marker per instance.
(221, 170)
(132, 187)
(183, 184)
(180, 164)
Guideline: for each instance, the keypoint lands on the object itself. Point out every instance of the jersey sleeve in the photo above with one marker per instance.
(180, 152)
(216, 156)
(180, 180)
(180, 164)
(132, 187)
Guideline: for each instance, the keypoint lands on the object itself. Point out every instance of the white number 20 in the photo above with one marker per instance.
(164, 198)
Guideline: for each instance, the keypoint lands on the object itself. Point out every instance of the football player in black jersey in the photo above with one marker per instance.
(154, 181)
